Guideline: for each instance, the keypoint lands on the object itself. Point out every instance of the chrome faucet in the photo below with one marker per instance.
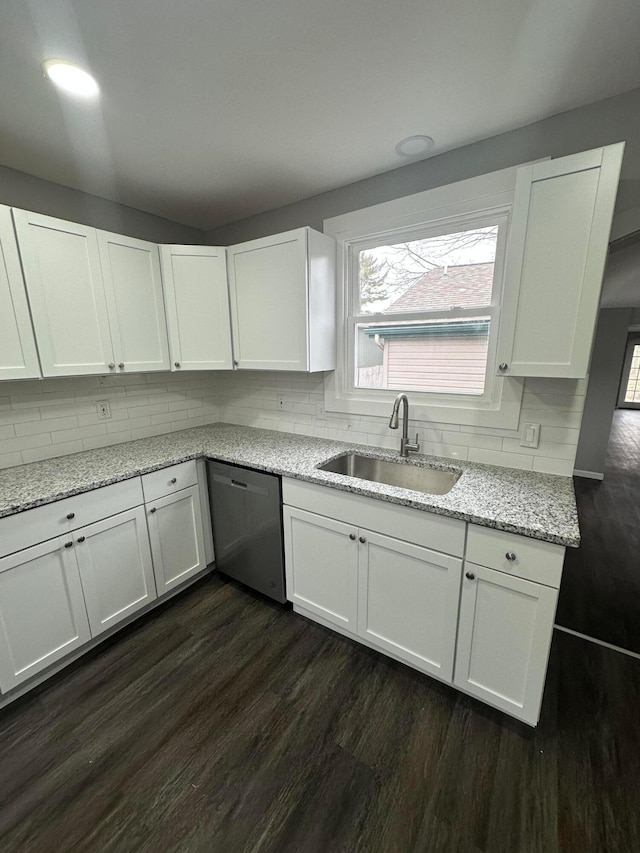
(405, 444)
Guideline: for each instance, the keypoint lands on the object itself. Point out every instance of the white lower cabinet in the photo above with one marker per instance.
(396, 596)
(505, 631)
(322, 566)
(487, 631)
(177, 537)
(42, 612)
(408, 601)
(115, 568)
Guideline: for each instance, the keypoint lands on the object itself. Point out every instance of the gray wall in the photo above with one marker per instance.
(612, 120)
(18, 189)
(602, 393)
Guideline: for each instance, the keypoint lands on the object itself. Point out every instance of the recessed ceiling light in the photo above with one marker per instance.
(414, 146)
(71, 78)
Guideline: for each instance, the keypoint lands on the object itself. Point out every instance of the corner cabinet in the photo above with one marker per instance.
(557, 249)
(18, 355)
(197, 301)
(282, 295)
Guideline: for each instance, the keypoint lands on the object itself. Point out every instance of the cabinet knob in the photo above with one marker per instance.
(352, 536)
(176, 364)
(81, 539)
(71, 515)
(235, 363)
(470, 575)
(112, 366)
(510, 556)
(503, 366)
(153, 509)
(362, 539)
(121, 365)
(174, 480)
(68, 544)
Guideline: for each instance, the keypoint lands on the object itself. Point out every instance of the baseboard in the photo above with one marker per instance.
(593, 475)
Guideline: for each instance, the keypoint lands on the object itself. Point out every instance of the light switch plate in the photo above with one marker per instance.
(530, 435)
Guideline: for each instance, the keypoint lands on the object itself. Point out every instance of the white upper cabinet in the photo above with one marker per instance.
(64, 281)
(133, 290)
(558, 245)
(282, 293)
(18, 355)
(197, 301)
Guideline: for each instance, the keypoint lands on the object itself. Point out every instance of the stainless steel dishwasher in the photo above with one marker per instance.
(246, 516)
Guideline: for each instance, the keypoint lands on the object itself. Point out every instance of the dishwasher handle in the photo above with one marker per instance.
(236, 484)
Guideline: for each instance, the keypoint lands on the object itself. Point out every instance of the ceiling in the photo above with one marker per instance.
(213, 110)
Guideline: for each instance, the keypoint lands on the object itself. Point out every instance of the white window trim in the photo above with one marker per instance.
(482, 197)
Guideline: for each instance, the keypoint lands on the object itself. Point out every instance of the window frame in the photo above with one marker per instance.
(490, 309)
(480, 201)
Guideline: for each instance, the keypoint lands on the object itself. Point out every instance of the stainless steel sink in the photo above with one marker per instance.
(432, 481)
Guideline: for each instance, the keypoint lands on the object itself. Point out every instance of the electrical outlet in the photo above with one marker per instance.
(281, 403)
(103, 409)
(320, 408)
(530, 435)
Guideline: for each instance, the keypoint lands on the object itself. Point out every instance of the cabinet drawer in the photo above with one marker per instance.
(533, 560)
(157, 484)
(401, 522)
(44, 522)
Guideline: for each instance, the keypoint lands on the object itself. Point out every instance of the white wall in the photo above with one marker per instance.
(30, 193)
(53, 417)
(612, 120)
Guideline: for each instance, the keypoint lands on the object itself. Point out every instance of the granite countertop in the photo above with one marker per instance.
(541, 506)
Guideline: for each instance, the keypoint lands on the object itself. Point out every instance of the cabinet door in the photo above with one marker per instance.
(268, 292)
(66, 291)
(197, 299)
(321, 560)
(558, 245)
(408, 601)
(177, 539)
(18, 356)
(504, 637)
(133, 288)
(115, 568)
(42, 611)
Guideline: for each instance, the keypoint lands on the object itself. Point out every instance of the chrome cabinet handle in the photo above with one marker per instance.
(352, 536)
(81, 538)
(174, 480)
(71, 515)
(503, 366)
(510, 556)
(111, 366)
(153, 509)
(362, 539)
(470, 575)
(121, 365)
(68, 544)
(235, 363)
(176, 364)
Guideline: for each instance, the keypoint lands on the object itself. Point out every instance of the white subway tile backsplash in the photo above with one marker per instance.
(41, 419)
(545, 465)
(494, 457)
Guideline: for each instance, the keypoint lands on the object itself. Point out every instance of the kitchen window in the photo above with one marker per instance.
(420, 288)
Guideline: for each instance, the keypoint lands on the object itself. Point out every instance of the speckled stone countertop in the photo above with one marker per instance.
(541, 506)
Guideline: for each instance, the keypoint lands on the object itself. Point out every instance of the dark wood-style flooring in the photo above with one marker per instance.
(224, 723)
(600, 592)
